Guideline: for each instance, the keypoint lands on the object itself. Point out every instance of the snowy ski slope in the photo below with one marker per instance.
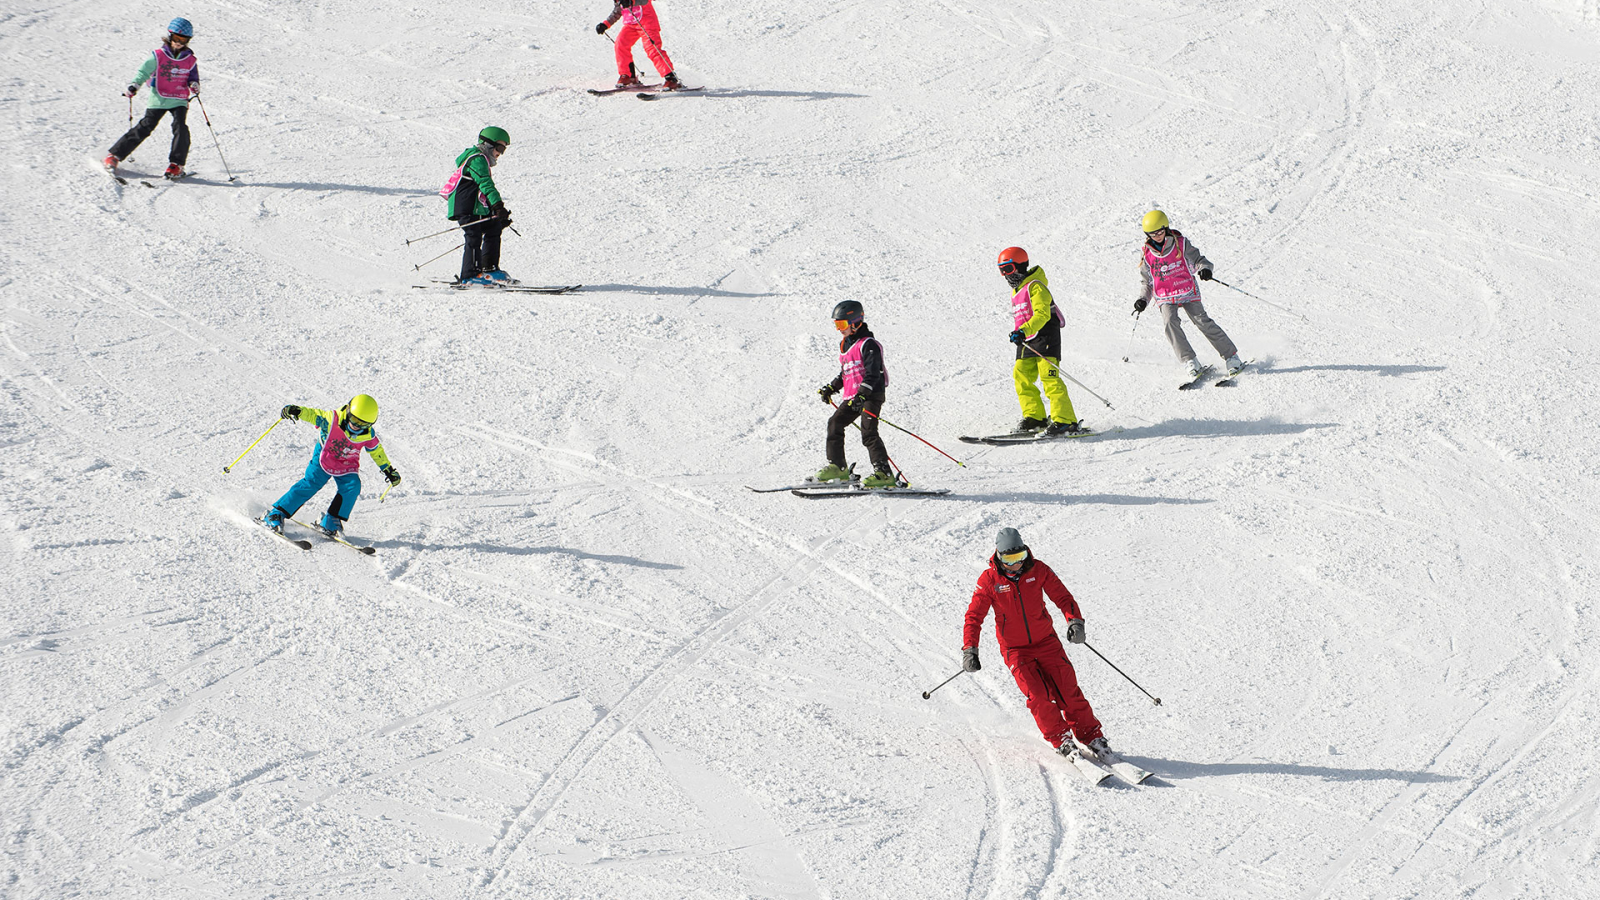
(585, 662)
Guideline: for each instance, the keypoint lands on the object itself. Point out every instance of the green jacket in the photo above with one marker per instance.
(475, 177)
(156, 101)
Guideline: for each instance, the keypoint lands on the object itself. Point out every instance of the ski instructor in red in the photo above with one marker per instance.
(1015, 585)
(638, 20)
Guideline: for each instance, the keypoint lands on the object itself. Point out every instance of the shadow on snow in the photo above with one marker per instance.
(1384, 371)
(1176, 769)
(533, 551)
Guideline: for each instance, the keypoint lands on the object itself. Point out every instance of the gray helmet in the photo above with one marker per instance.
(1008, 541)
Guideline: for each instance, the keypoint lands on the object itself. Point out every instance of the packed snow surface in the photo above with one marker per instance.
(586, 662)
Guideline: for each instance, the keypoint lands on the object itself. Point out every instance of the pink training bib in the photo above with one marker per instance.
(172, 75)
(850, 361)
(1170, 278)
(340, 454)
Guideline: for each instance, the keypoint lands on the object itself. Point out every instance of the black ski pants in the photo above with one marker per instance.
(481, 252)
(841, 419)
(179, 153)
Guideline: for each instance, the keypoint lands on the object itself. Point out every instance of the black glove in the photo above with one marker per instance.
(858, 402)
(393, 475)
(826, 392)
(290, 412)
(1205, 274)
(1139, 305)
(1017, 336)
(600, 29)
(969, 659)
(132, 89)
(1075, 631)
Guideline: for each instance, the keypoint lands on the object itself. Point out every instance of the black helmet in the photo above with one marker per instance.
(849, 311)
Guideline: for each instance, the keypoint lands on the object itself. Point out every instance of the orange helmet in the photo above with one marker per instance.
(1016, 256)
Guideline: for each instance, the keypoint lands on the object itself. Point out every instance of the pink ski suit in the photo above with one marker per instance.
(639, 19)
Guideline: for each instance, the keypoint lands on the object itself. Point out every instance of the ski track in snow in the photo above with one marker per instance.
(585, 662)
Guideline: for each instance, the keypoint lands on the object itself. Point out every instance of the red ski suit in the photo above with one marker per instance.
(639, 20)
(1033, 652)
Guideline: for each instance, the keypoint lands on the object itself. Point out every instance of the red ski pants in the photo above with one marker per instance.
(1051, 686)
(649, 28)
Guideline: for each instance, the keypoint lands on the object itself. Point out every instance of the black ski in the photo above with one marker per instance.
(656, 93)
(303, 545)
(1196, 381)
(509, 288)
(359, 548)
(856, 489)
(1029, 437)
(1233, 377)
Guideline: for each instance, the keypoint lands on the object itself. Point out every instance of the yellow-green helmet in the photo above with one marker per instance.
(1154, 220)
(363, 407)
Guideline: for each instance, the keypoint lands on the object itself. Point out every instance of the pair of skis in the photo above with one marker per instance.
(121, 180)
(1229, 380)
(1097, 768)
(1031, 437)
(644, 91)
(510, 288)
(306, 545)
(817, 490)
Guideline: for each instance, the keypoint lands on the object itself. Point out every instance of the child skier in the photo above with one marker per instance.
(1168, 266)
(1036, 330)
(1016, 585)
(863, 379)
(176, 79)
(338, 456)
(640, 16)
(471, 198)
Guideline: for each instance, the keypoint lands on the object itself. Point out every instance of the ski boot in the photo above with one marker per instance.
(499, 275)
(672, 82)
(1063, 428)
(273, 519)
(880, 479)
(1193, 369)
(628, 81)
(330, 525)
(1031, 424)
(1234, 364)
(831, 473)
(174, 171)
(110, 162)
(481, 279)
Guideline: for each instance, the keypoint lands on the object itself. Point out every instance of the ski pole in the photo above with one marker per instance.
(1261, 300)
(213, 136)
(454, 227)
(1122, 673)
(1069, 377)
(419, 266)
(913, 434)
(229, 467)
(397, 484)
(1130, 336)
(130, 110)
(928, 694)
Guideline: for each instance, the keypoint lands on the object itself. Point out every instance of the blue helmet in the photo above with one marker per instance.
(180, 25)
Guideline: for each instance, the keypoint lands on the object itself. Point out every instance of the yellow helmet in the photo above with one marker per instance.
(1153, 220)
(363, 407)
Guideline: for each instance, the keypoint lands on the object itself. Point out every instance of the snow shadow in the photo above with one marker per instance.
(1175, 769)
(323, 186)
(1108, 499)
(670, 291)
(1214, 428)
(533, 551)
(1385, 371)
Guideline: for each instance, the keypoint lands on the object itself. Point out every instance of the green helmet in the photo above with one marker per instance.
(495, 134)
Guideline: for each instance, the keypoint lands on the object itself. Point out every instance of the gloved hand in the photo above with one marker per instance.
(290, 412)
(826, 392)
(969, 659)
(1205, 274)
(1017, 336)
(132, 89)
(600, 29)
(392, 474)
(499, 211)
(858, 402)
(1139, 305)
(1075, 631)
(194, 89)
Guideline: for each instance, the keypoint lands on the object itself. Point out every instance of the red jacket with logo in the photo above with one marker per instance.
(1021, 620)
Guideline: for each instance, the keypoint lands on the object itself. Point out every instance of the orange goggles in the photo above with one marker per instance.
(842, 324)
(1012, 559)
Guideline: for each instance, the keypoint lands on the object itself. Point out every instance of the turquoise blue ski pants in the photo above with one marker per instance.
(344, 502)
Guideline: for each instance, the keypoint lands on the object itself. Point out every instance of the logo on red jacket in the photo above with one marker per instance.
(1002, 587)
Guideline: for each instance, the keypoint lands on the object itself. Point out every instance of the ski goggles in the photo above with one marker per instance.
(842, 324)
(354, 425)
(179, 39)
(1159, 232)
(1012, 559)
(1010, 268)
